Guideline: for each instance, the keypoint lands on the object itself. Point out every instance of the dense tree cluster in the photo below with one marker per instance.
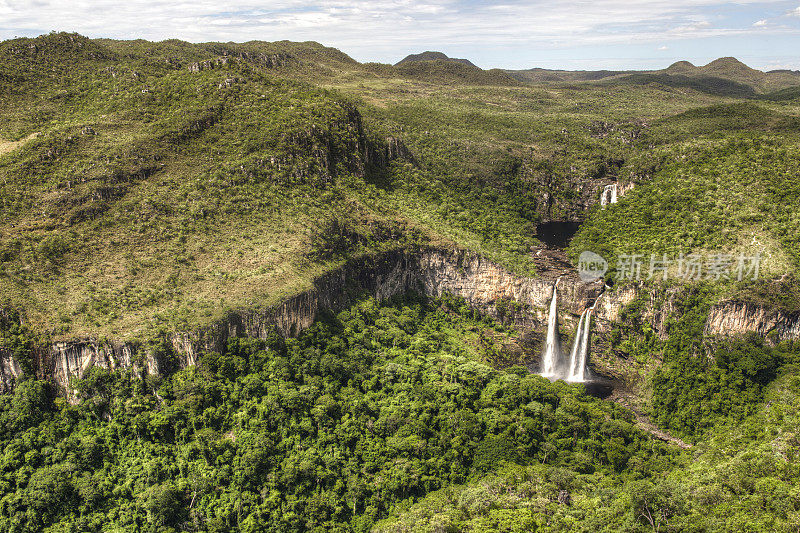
(742, 476)
(365, 410)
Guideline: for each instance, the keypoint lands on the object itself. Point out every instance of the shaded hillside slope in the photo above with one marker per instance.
(150, 186)
(726, 76)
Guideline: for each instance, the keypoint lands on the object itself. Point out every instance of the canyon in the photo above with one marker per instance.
(486, 286)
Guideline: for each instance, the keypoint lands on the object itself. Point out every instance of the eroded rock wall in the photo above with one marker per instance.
(486, 286)
(739, 318)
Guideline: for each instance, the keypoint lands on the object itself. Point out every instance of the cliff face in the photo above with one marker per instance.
(569, 196)
(491, 288)
(738, 318)
(62, 360)
(658, 307)
(725, 318)
(382, 277)
(9, 371)
(484, 285)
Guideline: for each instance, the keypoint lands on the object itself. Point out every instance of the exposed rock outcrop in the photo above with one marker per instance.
(729, 318)
(66, 359)
(658, 306)
(485, 285)
(317, 155)
(269, 61)
(567, 197)
(9, 372)
(739, 318)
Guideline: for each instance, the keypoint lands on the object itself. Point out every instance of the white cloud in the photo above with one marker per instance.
(760, 23)
(783, 63)
(692, 27)
(378, 29)
(664, 47)
(795, 12)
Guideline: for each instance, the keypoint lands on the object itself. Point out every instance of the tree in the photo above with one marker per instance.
(656, 503)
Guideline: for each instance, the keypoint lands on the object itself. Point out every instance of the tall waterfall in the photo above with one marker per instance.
(552, 350)
(578, 372)
(580, 348)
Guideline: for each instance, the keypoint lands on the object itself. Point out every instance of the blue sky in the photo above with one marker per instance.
(573, 34)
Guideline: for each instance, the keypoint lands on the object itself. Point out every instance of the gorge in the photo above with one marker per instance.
(531, 304)
(265, 287)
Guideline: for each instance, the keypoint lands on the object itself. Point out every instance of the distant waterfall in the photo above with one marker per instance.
(580, 348)
(609, 195)
(552, 351)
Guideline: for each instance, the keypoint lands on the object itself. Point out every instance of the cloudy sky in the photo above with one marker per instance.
(508, 34)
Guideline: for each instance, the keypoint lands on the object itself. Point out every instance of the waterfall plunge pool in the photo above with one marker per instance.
(557, 233)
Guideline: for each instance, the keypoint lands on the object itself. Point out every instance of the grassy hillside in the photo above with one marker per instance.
(726, 195)
(150, 189)
(156, 185)
(147, 187)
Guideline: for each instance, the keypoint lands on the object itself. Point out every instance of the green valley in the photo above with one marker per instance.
(262, 286)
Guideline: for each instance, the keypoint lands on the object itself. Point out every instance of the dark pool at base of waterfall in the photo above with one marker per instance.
(557, 233)
(600, 388)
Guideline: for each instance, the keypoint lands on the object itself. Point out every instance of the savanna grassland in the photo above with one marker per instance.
(149, 188)
(159, 185)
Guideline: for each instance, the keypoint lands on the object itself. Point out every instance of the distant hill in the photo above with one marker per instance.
(726, 76)
(439, 68)
(537, 75)
(680, 67)
(733, 70)
(450, 72)
(433, 56)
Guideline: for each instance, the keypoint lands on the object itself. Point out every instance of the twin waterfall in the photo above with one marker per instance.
(553, 364)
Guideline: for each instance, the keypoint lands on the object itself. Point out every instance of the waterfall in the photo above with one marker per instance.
(552, 351)
(578, 372)
(580, 348)
(609, 195)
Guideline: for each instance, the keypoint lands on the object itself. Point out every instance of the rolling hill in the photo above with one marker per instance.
(726, 76)
(264, 287)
